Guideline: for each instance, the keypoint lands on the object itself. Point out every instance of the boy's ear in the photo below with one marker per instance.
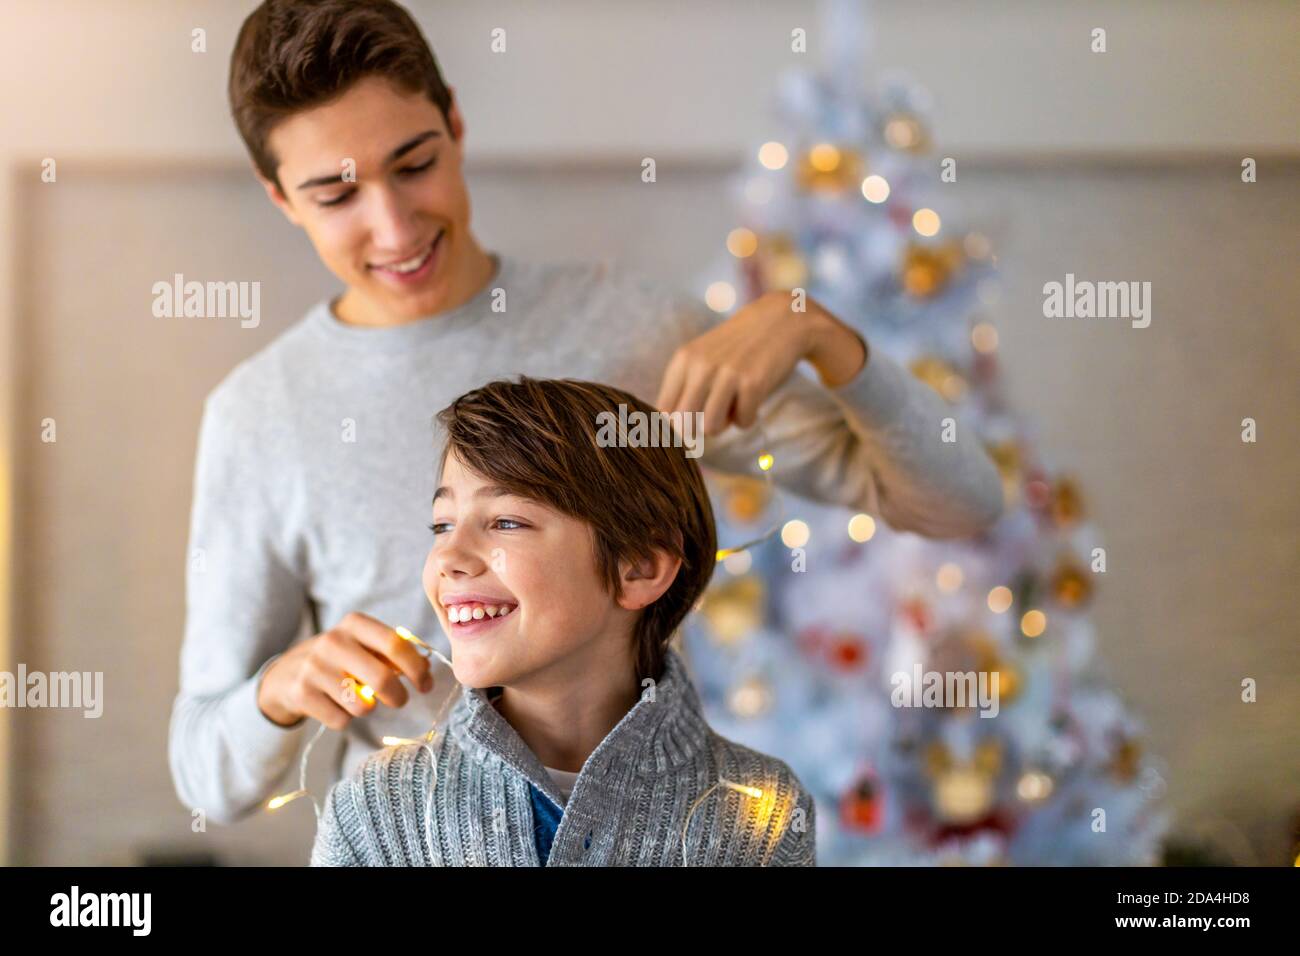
(277, 198)
(457, 130)
(645, 579)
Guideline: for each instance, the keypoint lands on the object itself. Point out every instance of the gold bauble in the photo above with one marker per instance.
(734, 608)
(1071, 585)
(746, 499)
(786, 272)
(963, 795)
(1009, 681)
(827, 167)
(940, 376)
(926, 270)
(1006, 455)
(1126, 760)
(989, 659)
(904, 131)
(1067, 502)
(780, 264)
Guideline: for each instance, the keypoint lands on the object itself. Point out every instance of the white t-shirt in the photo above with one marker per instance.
(564, 781)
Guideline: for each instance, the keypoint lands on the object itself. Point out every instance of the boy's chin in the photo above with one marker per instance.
(479, 674)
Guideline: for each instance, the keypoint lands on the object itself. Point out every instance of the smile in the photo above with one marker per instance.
(414, 268)
(472, 618)
(474, 611)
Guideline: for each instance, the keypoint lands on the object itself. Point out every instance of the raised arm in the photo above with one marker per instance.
(877, 442)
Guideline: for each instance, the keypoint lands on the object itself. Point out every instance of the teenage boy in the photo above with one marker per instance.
(311, 478)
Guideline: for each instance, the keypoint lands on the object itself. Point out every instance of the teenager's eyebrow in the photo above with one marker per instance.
(393, 157)
(486, 491)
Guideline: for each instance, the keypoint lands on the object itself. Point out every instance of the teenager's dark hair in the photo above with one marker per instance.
(539, 439)
(293, 55)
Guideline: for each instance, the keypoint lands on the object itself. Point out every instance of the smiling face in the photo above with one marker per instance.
(538, 563)
(374, 178)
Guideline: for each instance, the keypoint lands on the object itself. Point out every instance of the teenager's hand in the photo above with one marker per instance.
(320, 677)
(729, 370)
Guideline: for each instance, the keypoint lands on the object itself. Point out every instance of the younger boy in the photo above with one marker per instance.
(560, 571)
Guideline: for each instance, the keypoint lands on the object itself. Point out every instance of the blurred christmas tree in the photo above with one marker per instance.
(847, 205)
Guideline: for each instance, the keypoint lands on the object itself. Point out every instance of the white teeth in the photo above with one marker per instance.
(461, 613)
(410, 265)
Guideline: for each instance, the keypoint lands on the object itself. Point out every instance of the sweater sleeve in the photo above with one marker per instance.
(798, 844)
(874, 444)
(338, 821)
(243, 608)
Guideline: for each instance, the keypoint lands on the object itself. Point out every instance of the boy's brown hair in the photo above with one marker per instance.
(293, 55)
(538, 438)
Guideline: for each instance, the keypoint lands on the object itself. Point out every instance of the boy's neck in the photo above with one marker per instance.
(355, 308)
(562, 722)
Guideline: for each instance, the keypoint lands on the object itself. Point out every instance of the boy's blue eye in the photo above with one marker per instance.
(442, 524)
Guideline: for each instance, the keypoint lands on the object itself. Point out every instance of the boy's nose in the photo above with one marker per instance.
(392, 225)
(455, 559)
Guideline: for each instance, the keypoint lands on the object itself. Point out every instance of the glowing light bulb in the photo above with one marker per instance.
(275, 803)
(742, 243)
(755, 792)
(1034, 785)
(765, 461)
(773, 155)
(875, 189)
(1033, 623)
(949, 577)
(795, 534)
(999, 599)
(984, 337)
(824, 157)
(925, 222)
(738, 563)
(720, 296)
(862, 528)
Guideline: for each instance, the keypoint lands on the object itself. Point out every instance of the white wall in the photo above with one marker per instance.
(594, 77)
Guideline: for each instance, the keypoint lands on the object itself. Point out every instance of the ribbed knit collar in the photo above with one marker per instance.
(655, 736)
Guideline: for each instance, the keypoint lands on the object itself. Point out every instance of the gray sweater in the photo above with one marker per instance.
(629, 806)
(314, 475)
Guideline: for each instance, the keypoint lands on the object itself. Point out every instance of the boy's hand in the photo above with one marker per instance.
(729, 370)
(319, 677)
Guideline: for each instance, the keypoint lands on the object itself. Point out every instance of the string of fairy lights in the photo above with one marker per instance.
(367, 693)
